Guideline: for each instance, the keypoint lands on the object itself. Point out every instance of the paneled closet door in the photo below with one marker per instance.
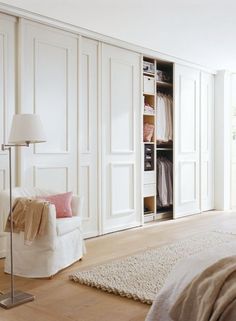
(49, 88)
(207, 140)
(88, 135)
(7, 106)
(186, 145)
(121, 139)
(233, 141)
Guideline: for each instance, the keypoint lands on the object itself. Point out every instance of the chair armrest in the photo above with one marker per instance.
(49, 239)
(77, 206)
(51, 222)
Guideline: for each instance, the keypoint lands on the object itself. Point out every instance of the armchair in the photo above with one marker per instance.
(60, 246)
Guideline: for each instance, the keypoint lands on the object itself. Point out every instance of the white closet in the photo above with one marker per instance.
(89, 96)
(7, 105)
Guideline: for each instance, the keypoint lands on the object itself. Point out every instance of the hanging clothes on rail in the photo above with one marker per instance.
(164, 182)
(164, 119)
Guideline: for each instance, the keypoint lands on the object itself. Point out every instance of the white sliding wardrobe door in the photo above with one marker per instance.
(121, 139)
(233, 140)
(88, 134)
(49, 88)
(7, 106)
(207, 140)
(186, 151)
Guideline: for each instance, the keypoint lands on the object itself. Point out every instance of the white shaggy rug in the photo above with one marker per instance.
(142, 275)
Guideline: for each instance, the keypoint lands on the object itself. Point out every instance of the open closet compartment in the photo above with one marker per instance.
(157, 139)
(164, 139)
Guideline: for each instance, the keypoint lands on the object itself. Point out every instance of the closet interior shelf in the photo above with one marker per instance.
(148, 94)
(148, 213)
(166, 213)
(148, 73)
(149, 114)
(164, 84)
(164, 148)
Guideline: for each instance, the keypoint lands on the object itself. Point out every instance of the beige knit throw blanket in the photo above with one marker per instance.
(211, 296)
(29, 216)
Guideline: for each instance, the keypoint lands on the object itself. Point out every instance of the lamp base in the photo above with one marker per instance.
(20, 297)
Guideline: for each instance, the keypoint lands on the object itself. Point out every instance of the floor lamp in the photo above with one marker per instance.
(26, 129)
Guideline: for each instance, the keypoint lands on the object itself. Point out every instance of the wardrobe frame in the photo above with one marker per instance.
(81, 32)
(149, 198)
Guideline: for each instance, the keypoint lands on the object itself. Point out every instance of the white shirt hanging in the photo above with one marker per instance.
(164, 119)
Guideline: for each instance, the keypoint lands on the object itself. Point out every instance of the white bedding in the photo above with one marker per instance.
(181, 276)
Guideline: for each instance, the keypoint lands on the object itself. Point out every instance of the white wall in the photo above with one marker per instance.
(196, 30)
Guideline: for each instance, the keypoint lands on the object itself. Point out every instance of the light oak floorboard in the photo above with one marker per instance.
(60, 299)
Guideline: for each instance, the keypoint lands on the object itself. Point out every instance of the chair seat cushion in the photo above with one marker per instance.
(67, 224)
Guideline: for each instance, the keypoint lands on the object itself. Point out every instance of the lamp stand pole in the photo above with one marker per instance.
(13, 298)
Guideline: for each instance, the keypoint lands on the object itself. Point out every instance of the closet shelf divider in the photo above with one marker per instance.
(149, 74)
(164, 148)
(163, 83)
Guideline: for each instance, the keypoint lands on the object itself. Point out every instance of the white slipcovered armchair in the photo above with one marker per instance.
(60, 246)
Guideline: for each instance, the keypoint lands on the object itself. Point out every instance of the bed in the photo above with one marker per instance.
(199, 288)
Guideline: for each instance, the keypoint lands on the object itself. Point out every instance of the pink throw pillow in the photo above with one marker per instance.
(62, 203)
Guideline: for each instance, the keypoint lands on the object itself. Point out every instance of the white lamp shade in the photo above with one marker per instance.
(26, 128)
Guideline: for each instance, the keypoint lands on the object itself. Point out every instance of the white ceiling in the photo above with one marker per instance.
(201, 31)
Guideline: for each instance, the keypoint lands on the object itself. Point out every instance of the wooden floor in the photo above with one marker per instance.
(62, 300)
